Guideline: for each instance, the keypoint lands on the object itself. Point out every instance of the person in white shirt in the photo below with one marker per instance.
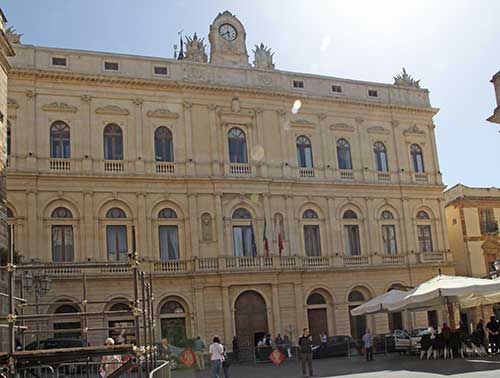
(216, 352)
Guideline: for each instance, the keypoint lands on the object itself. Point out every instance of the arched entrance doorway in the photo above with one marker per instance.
(250, 319)
(67, 327)
(173, 320)
(396, 318)
(358, 296)
(317, 317)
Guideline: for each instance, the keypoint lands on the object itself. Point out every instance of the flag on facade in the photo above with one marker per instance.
(266, 243)
(254, 244)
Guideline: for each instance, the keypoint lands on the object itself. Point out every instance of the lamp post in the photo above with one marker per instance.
(38, 284)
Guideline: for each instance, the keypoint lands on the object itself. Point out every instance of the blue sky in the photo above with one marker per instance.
(452, 46)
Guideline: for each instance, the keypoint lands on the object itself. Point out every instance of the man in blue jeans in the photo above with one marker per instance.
(368, 344)
(216, 352)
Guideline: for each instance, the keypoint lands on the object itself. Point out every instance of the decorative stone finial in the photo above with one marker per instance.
(12, 36)
(404, 80)
(263, 58)
(195, 49)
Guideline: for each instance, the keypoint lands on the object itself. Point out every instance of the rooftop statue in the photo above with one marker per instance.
(12, 36)
(404, 80)
(263, 58)
(195, 49)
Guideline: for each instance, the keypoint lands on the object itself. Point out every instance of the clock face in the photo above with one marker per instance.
(228, 32)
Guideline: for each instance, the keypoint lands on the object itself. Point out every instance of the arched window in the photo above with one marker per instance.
(62, 236)
(304, 152)
(65, 324)
(164, 146)
(312, 237)
(380, 157)
(113, 142)
(424, 232)
(115, 212)
(167, 213)
(10, 214)
(352, 242)
(121, 325)
(316, 299)
(389, 233)
(310, 214)
(241, 213)
(243, 233)
(61, 212)
(8, 138)
(237, 146)
(417, 158)
(173, 320)
(60, 141)
(358, 323)
(344, 154)
(116, 235)
(356, 296)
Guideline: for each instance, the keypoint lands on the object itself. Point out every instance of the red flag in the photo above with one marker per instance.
(276, 356)
(280, 244)
(266, 243)
(187, 357)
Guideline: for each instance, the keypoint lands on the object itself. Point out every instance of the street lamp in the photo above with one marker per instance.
(38, 284)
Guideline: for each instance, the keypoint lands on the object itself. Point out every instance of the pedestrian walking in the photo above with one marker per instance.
(305, 353)
(109, 363)
(481, 332)
(216, 352)
(199, 351)
(368, 344)
(493, 329)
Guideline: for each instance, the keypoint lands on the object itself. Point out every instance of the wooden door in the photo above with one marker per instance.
(250, 319)
(318, 323)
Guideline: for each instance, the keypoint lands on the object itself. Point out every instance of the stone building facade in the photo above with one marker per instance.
(198, 166)
(495, 117)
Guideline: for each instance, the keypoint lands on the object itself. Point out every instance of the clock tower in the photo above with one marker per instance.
(227, 41)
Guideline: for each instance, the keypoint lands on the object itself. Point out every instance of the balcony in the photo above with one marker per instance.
(420, 178)
(489, 227)
(60, 164)
(355, 260)
(306, 173)
(384, 176)
(393, 259)
(346, 174)
(240, 169)
(165, 168)
(114, 166)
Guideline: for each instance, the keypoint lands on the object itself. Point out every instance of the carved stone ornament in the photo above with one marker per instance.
(265, 80)
(195, 49)
(263, 58)
(162, 113)
(13, 37)
(112, 110)
(11, 103)
(196, 74)
(60, 107)
(404, 80)
(342, 127)
(377, 130)
(414, 130)
(302, 122)
(235, 105)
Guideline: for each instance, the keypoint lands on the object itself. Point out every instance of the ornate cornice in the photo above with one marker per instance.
(162, 113)
(60, 107)
(128, 82)
(112, 110)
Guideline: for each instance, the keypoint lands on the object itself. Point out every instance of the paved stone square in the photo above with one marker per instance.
(392, 366)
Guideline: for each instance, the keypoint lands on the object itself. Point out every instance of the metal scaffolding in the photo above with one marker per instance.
(140, 308)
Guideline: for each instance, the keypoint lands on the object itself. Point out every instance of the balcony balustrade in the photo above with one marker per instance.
(60, 164)
(114, 166)
(240, 169)
(421, 178)
(306, 173)
(165, 168)
(384, 176)
(346, 174)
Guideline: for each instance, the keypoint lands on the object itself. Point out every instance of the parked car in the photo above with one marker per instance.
(398, 341)
(416, 337)
(338, 346)
(60, 343)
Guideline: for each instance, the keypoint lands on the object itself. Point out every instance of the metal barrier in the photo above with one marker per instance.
(162, 371)
(42, 371)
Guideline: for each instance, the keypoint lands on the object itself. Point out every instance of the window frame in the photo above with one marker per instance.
(105, 69)
(416, 152)
(380, 155)
(166, 142)
(115, 139)
(60, 140)
(304, 151)
(237, 145)
(342, 146)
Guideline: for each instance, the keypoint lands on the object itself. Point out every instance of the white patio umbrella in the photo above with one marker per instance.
(379, 303)
(447, 290)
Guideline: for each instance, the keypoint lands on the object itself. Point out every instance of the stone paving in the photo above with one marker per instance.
(384, 366)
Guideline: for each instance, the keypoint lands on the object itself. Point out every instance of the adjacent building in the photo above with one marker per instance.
(495, 118)
(262, 201)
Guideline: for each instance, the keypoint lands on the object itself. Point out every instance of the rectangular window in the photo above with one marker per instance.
(169, 243)
(298, 84)
(62, 243)
(372, 93)
(432, 318)
(59, 61)
(111, 66)
(351, 240)
(336, 88)
(160, 70)
(389, 239)
(242, 240)
(487, 221)
(116, 239)
(424, 238)
(312, 242)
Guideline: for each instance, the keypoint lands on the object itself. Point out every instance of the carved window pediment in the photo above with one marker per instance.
(60, 107)
(378, 130)
(414, 131)
(242, 117)
(112, 110)
(162, 113)
(342, 127)
(301, 122)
